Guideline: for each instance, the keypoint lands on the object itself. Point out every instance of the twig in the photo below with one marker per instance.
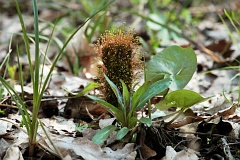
(200, 133)
(226, 149)
(8, 106)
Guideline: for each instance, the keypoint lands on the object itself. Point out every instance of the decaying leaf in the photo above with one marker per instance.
(213, 105)
(221, 47)
(60, 125)
(4, 127)
(88, 150)
(185, 121)
(3, 147)
(13, 152)
(228, 111)
(187, 154)
(81, 107)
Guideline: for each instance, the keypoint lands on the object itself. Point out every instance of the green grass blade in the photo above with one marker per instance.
(45, 54)
(56, 40)
(20, 73)
(37, 58)
(26, 41)
(55, 148)
(36, 99)
(20, 104)
(116, 92)
(6, 59)
(126, 101)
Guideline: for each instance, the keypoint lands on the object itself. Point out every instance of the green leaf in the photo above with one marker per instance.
(122, 133)
(81, 127)
(103, 134)
(112, 109)
(180, 98)
(154, 89)
(174, 62)
(2, 112)
(146, 121)
(137, 95)
(132, 122)
(116, 91)
(90, 86)
(126, 95)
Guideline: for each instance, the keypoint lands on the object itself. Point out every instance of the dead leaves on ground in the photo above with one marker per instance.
(62, 133)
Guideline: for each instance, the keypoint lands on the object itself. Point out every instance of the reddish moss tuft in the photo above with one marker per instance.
(119, 52)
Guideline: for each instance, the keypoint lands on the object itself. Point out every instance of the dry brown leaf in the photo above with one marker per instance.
(213, 105)
(228, 111)
(65, 80)
(147, 152)
(88, 150)
(60, 125)
(221, 47)
(81, 107)
(185, 121)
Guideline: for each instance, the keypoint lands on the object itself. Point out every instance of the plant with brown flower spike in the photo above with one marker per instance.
(119, 52)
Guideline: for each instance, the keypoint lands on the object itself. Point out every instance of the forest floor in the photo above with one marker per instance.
(208, 130)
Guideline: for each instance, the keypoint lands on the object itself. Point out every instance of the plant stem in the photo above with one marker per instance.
(178, 114)
(36, 100)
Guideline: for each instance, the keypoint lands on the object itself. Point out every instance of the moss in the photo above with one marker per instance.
(119, 52)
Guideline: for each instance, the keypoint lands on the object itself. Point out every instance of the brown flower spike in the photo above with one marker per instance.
(119, 52)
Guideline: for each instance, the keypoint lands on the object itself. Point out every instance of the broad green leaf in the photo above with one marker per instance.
(146, 121)
(180, 98)
(126, 95)
(116, 91)
(174, 62)
(122, 133)
(90, 86)
(103, 134)
(154, 89)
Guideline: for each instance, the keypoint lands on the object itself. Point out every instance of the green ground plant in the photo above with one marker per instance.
(128, 105)
(172, 69)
